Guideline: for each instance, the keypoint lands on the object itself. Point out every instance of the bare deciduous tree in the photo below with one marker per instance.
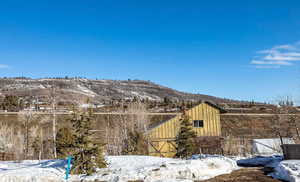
(6, 138)
(53, 111)
(139, 118)
(38, 135)
(28, 118)
(284, 123)
(12, 141)
(135, 118)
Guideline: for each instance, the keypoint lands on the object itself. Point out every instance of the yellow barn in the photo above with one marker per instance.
(205, 118)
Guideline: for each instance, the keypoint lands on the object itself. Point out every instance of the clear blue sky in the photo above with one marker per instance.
(236, 49)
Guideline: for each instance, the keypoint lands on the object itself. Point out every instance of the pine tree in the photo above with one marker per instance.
(185, 138)
(136, 144)
(65, 142)
(87, 154)
(12, 103)
(99, 158)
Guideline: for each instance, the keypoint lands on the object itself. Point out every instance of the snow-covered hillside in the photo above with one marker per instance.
(98, 90)
(121, 168)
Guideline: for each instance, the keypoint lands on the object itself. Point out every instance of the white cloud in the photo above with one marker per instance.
(4, 66)
(274, 57)
(267, 66)
(291, 54)
(286, 47)
(268, 51)
(278, 56)
(259, 62)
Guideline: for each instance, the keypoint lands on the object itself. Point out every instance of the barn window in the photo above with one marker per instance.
(198, 123)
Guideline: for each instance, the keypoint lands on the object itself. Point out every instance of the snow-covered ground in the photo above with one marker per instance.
(122, 168)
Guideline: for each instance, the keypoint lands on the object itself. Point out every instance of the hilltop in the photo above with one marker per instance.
(70, 90)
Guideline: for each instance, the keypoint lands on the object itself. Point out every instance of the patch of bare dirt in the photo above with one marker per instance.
(244, 175)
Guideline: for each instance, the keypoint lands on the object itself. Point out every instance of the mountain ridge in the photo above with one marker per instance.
(70, 89)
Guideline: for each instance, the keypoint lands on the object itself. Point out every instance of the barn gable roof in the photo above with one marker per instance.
(155, 125)
(222, 110)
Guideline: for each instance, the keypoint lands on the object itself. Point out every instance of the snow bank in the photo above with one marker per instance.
(32, 171)
(122, 168)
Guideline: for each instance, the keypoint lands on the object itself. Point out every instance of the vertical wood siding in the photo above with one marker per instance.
(205, 112)
(163, 136)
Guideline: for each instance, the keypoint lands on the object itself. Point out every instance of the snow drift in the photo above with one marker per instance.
(121, 168)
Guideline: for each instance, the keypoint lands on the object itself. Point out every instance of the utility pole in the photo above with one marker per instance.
(54, 120)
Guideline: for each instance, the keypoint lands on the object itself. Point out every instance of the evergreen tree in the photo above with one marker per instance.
(167, 101)
(87, 155)
(136, 144)
(36, 146)
(65, 142)
(12, 103)
(185, 138)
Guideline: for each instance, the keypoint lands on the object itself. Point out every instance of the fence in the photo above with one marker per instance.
(236, 146)
(209, 145)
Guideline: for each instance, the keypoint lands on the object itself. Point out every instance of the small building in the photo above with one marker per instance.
(205, 118)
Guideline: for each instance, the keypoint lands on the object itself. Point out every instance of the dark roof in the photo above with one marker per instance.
(222, 110)
(154, 125)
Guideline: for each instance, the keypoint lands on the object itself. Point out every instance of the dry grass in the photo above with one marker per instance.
(244, 175)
